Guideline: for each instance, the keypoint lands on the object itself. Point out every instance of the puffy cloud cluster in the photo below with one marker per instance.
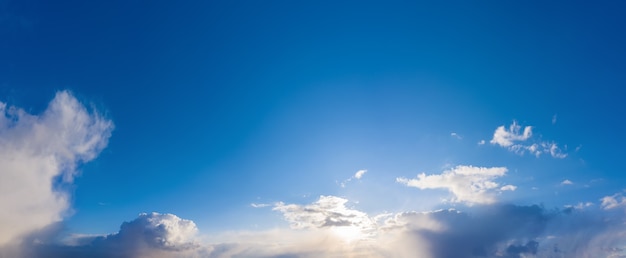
(516, 140)
(149, 235)
(468, 184)
(327, 212)
(38, 152)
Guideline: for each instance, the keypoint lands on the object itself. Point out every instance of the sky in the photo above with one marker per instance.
(312, 129)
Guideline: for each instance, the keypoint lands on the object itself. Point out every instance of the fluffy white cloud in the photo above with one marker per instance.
(468, 184)
(38, 152)
(518, 141)
(327, 212)
(506, 138)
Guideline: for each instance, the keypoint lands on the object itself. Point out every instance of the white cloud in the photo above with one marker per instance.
(356, 176)
(520, 142)
(506, 138)
(508, 188)
(360, 173)
(260, 205)
(327, 212)
(580, 205)
(481, 142)
(455, 135)
(39, 151)
(613, 201)
(554, 119)
(567, 182)
(468, 184)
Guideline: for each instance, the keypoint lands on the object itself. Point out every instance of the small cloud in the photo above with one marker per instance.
(356, 176)
(481, 142)
(468, 184)
(455, 135)
(580, 205)
(567, 182)
(554, 119)
(508, 188)
(506, 138)
(578, 148)
(613, 201)
(519, 141)
(260, 205)
(360, 173)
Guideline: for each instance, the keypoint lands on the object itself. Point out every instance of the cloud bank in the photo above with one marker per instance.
(39, 153)
(329, 228)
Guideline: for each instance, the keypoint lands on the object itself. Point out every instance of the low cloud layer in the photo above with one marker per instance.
(38, 153)
(468, 184)
(329, 228)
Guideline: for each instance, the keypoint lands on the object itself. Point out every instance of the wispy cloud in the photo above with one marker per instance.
(455, 135)
(260, 205)
(554, 119)
(519, 141)
(567, 182)
(36, 152)
(468, 184)
(358, 175)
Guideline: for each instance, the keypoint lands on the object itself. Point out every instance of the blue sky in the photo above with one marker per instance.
(202, 110)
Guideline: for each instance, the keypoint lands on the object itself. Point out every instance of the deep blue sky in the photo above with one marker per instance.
(219, 104)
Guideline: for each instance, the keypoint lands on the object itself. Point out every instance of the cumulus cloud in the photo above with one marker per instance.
(327, 212)
(149, 235)
(468, 184)
(519, 141)
(507, 138)
(39, 153)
